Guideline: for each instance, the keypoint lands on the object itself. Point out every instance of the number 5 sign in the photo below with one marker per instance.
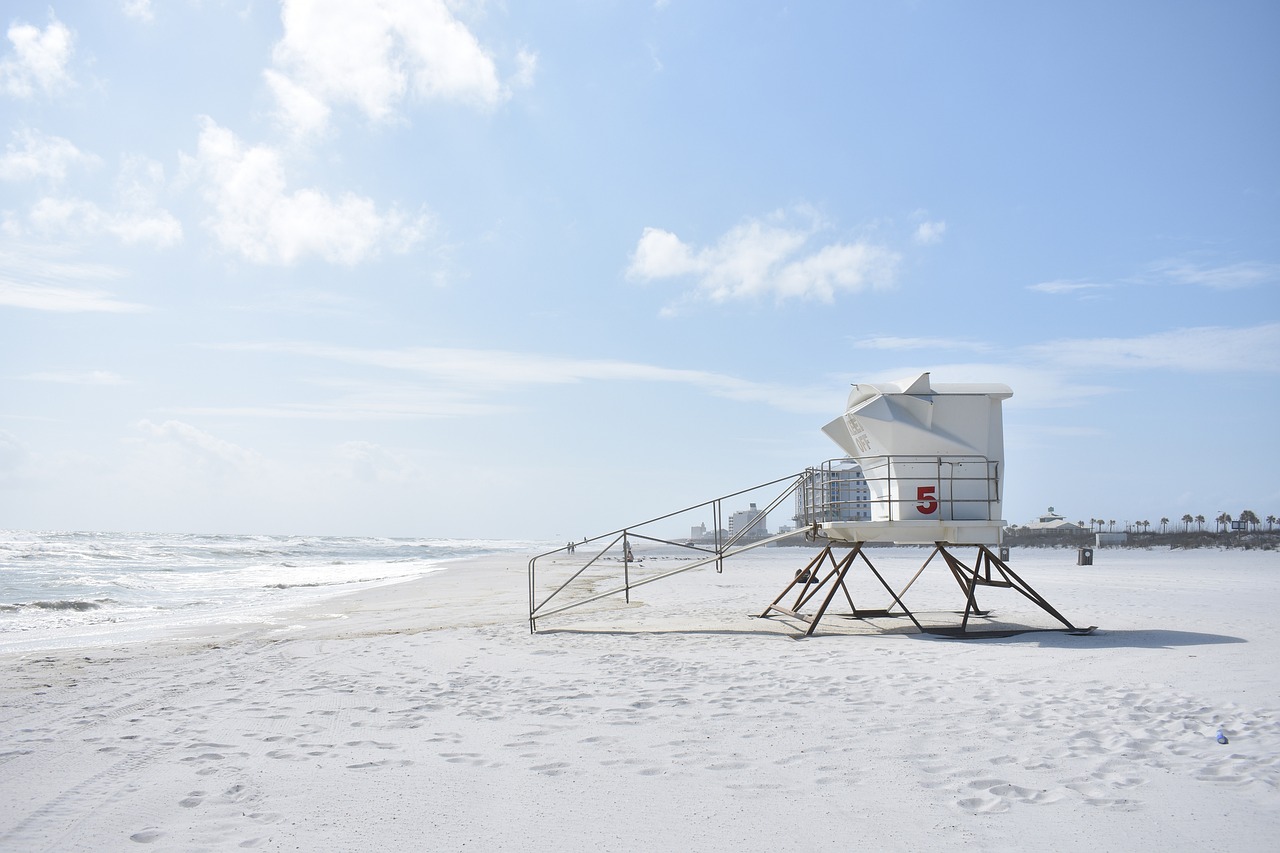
(927, 499)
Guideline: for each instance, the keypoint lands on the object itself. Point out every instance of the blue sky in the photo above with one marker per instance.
(508, 269)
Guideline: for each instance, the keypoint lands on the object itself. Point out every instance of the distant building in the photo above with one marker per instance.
(742, 520)
(837, 491)
(1050, 521)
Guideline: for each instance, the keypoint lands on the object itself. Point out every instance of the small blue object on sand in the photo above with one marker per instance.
(1221, 737)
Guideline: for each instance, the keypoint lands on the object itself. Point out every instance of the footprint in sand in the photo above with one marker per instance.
(146, 836)
(379, 765)
(1001, 796)
(1098, 795)
(983, 805)
(554, 769)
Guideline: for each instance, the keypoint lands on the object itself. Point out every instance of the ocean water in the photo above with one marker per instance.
(64, 589)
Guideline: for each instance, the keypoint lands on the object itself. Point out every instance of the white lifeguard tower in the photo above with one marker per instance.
(933, 459)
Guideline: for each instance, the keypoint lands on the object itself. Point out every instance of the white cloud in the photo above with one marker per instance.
(366, 462)
(14, 457)
(256, 215)
(526, 69)
(39, 59)
(32, 155)
(1206, 349)
(930, 232)
(139, 9)
(135, 218)
(195, 448)
(757, 259)
(84, 218)
(377, 54)
(300, 110)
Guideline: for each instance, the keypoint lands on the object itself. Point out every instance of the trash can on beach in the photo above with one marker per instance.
(1004, 553)
(1084, 557)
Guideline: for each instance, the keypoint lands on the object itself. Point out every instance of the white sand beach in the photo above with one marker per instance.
(424, 715)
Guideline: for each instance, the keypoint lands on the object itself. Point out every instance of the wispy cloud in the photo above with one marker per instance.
(777, 257)
(1174, 271)
(256, 215)
(43, 278)
(1225, 277)
(891, 342)
(437, 382)
(1072, 371)
(63, 299)
(463, 381)
(1036, 385)
(1205, 349)
(38, 60)
(1081, 288)
(81, 377)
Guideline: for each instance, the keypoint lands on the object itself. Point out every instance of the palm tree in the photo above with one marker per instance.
(1199, 523)
(1271, 519)
(1186, 522)
(1092, 522)
(1164, 524)
(1250, 518)
(1224, 521)
(1111, 526)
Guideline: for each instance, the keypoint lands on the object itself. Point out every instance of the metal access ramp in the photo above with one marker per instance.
(613, 564)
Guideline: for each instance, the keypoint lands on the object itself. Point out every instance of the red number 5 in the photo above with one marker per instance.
(928, 500)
